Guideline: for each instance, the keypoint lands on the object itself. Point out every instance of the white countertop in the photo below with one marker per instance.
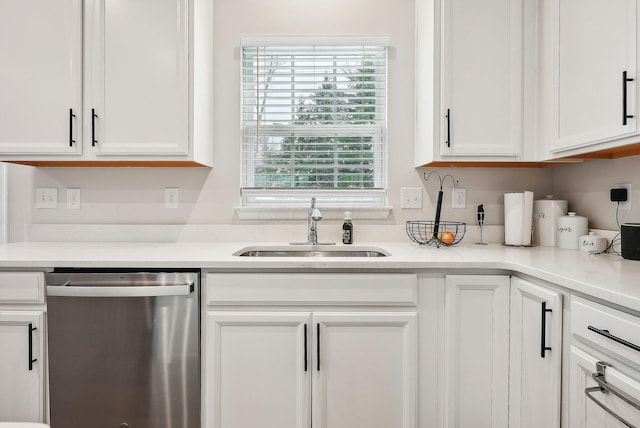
(606, 277)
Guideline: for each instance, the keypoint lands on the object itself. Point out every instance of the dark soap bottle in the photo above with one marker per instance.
(347, 229)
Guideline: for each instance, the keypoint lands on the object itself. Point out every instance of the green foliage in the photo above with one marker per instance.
(327, 161)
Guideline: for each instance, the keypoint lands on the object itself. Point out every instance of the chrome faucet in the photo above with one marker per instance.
(313, 217)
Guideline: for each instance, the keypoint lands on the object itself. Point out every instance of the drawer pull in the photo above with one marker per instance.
(608, 335)
(604, 387)
(318, 345)
(625, 115)
(31, 359)
(305, 347)
(543, 328)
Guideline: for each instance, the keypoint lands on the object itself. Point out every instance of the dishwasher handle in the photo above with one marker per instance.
(67, 290)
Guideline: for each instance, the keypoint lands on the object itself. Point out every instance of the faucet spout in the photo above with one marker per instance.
(313, 217)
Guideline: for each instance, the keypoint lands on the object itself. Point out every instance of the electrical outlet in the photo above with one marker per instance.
(171, 197)
(459, 197)
(73, 199)
(46, 198)
(411, 198)
(626, 205)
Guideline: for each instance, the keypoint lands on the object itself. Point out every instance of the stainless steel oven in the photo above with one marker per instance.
(124, 348)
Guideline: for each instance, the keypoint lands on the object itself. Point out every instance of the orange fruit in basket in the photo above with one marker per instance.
(446, 238)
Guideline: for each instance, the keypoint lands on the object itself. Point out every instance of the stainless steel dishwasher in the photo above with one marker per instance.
(124, 348)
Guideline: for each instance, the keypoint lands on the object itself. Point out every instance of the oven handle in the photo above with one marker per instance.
(588, 392)
(605, 387)
(67, 290)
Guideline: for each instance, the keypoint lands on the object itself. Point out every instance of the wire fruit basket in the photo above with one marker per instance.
(438, 234)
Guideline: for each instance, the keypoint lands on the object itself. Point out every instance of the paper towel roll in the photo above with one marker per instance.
(518, 218)
(513, 215)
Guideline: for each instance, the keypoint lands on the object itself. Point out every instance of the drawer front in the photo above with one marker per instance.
(386, 289)
(611, 329)
(22, 287)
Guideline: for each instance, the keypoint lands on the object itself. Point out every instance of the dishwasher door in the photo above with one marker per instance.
(124, 349)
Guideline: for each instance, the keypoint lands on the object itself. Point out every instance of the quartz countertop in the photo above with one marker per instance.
(606, 277)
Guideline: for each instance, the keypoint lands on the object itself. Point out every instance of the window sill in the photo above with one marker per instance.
(299, 212)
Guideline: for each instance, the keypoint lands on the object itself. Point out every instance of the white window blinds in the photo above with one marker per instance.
(313, 120)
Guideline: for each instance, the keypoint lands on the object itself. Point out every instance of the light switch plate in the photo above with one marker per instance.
(411, 198)
(46, 198)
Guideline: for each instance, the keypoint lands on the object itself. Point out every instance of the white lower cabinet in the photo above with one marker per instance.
(604, 366)
(364, 370)
(535, 355)
(476, 355)
(585, 412)
(301, 363)
(22, 347)
(22, 366)
(301, 369)
(257, 374)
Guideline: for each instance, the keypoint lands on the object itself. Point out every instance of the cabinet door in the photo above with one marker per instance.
(22, 366)
(534, 378)
(476, 351)
(584, 412)
(137, 77)
(482, 78)
(364, 370)
(596, 44)
(40, 76)
(256, 374)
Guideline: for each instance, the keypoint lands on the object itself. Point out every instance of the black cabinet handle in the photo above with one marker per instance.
(31, 359)
(448, 116)
(318, 345)
(71, 117)
(608, 335)
(94, 116)
(305, 347)
(625, 80)
(543, 346)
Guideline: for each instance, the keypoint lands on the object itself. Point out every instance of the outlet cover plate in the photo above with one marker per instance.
(171, 197)
(626, 205)
(73, 199)
(459, 197)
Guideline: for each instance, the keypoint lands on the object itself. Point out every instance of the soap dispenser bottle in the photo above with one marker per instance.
(347, 229)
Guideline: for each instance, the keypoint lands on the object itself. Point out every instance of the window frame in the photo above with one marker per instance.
(343, 198)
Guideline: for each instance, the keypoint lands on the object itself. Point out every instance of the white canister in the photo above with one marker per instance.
(570, 228)
(545, 219)
(593, 243)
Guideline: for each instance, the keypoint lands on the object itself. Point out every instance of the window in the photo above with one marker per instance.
(313, 119)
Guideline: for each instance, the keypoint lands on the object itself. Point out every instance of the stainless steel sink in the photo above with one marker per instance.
(310, 251)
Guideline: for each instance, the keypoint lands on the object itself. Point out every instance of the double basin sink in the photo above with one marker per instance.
(310, 251)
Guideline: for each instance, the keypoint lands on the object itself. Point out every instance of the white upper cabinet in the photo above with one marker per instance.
(144, 94)
(595, 50)
(481, 80)
(137, 77)
(478, 69)
(40, 76)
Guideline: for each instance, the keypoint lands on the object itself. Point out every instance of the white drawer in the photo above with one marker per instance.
(386, 289)
(606, 327)
(21, 287)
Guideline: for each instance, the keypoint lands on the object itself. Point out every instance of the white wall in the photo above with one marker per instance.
(586, 186)
(208, 196)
